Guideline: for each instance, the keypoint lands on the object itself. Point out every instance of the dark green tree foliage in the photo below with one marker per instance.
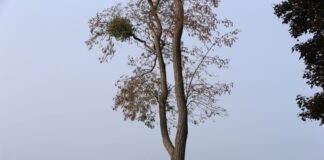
(306, 17)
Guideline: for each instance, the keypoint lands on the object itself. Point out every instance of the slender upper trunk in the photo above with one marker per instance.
(182, 126)
(162, 104)
(163, 83)
(176, 151)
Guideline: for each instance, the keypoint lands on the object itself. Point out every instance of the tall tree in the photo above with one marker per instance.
(157, 26)
(306, 17)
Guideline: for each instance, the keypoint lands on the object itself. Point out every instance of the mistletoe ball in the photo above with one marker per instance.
(120, 28)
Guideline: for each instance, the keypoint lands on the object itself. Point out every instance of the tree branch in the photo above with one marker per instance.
(197, 68)
(152, 68)
(144, 42)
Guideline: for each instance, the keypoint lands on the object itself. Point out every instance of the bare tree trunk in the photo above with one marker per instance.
(176, 151)
(163, 82)
(162, 104)
(182, 126)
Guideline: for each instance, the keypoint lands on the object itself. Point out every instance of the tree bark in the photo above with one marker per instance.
(182, 126)
(163, 81)
(162, 105)
(176, 151)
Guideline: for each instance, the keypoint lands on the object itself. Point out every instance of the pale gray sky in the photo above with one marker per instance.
(55, 97)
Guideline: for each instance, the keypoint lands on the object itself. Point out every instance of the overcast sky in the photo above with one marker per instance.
(55, 96)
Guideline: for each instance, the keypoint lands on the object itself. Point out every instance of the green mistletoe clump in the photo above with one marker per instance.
(120, 28)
